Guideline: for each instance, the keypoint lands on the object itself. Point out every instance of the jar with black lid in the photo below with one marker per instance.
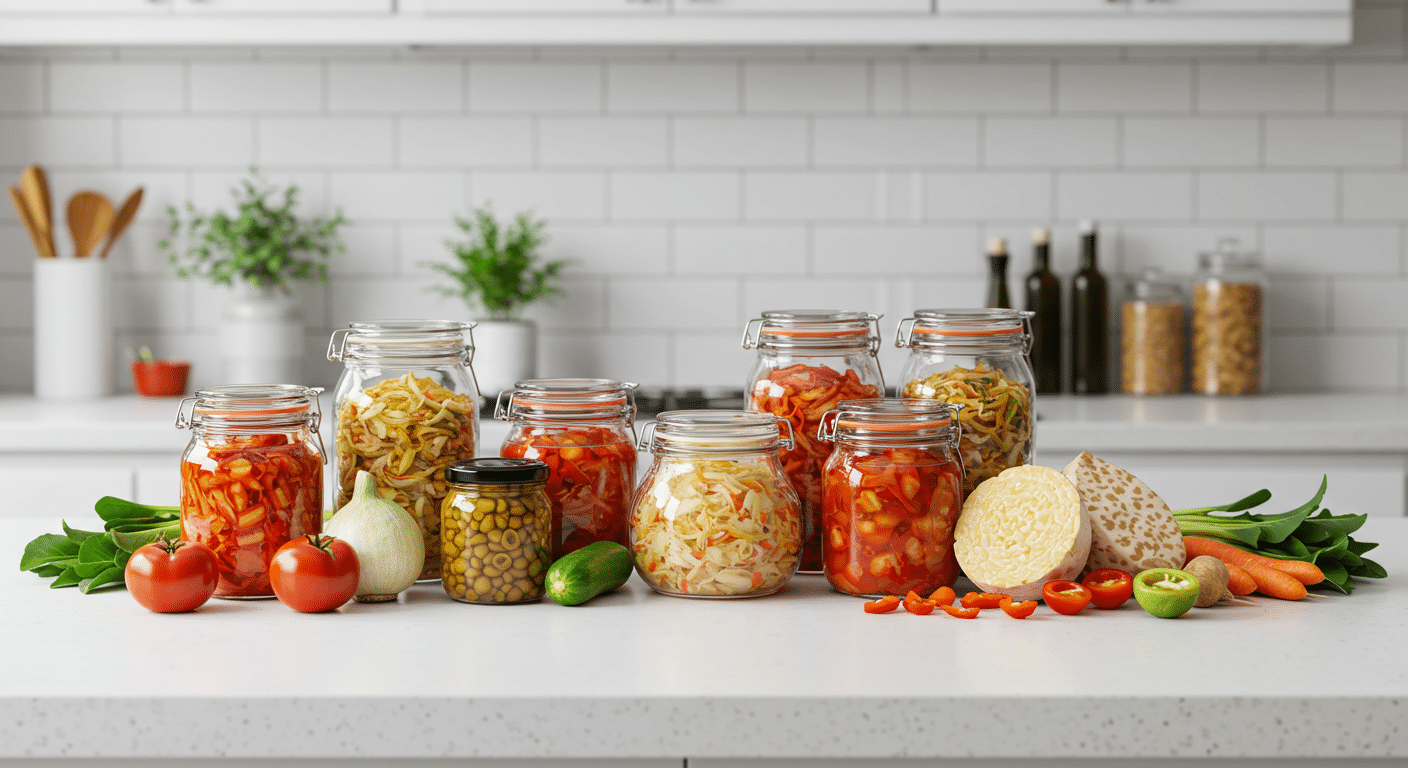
(495, 525)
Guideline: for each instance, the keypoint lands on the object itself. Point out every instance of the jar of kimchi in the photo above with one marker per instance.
(251, 477)
(715, 515)
(808, 361)
(583, 430)
(975, 358)
(407, 407)
(892, 493)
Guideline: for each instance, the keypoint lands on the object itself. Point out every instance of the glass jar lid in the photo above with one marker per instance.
(966, 328)
(1154, 285)
(402, 340)
(491, 470)
(249, 408)
(1228, 256)
(813, 329)
(891, 420)
(714, 432)
(567, 400)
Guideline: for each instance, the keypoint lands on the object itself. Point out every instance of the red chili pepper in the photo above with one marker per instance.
(1017, 610)
(1065, 597)
(944, 596)
(918, 605)
(1109, 587)
(883, 605)
(960, 613)
(982, 600)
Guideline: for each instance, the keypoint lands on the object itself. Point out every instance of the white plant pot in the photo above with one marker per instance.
(261, 338)
(505, 351)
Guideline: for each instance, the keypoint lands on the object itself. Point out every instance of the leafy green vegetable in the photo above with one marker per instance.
(92, 560)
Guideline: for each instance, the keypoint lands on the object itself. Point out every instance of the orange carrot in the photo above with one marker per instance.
(1274, 583)
(1239, 582)
(1305, 573)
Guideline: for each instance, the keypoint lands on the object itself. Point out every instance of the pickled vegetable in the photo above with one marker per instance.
(716, 528)
(801, 394)
(996, 418)
(405, 431)
(244, 497)
(591, 474)
(495, 543)
(888, 518)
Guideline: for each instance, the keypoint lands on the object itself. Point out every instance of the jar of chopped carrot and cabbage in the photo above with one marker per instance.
(808, 361)
(715, 516)
(251, 477)
(407, 407)
(583, 430)
(976, 359)
(892, 494)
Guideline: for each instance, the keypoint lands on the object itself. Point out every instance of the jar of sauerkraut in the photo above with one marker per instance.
(582, 430)
(975, 358)
(808, 361)
(892, 495)
(251, 477)
(407, 407)
(715, 516)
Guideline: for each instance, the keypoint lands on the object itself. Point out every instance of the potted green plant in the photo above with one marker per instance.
(497, 270)
(257, 250)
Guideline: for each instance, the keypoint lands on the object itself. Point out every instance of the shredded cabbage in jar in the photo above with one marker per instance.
(716, 528)
(405, 431)
(996, 418)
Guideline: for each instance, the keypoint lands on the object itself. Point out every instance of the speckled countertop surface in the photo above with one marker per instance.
(802, 673)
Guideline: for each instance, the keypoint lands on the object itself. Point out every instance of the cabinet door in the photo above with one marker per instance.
(84, 6)
(1030, 7)
(447, 7)
(285, 7)
(1211, 7)
(867, 7)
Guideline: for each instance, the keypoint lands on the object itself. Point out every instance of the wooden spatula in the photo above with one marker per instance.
(22, 208)
(34, 185)
(89, 221)
(125, 215)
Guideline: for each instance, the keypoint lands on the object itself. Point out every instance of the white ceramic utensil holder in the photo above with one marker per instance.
(72, 329)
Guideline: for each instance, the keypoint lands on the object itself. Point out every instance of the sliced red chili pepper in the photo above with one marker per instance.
(960, 613)
(944, 596)
(883, 605)
(1109, 587)
(1017, 610)
(982, 600)
(1065, 597)
(919, 606)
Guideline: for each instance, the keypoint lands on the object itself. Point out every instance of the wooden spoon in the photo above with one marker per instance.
(125, 214)
(22, 208)
(35, 186)
(89, 221)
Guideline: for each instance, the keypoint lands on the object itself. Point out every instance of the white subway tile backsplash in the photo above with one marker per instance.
(818, 88)
(887, 87)
(1124, 87)
(1266, 196)
(556, 196)
(611, 250)
(140, 304)
(123, 87)
(1175, 249)
(1299, 305)
(902, 142)
(163, 188)
(475, 142)
(17, 252)
(677, 196)
(1378, 31)
(711, 359)
(17, 350)
(762, 294)
(382, 196)
(601, 142)
(1125, 196)
(365, 298)
(21, 87)
(179, 142)
(894, 250)
(371, 250)
(326, 142)
(1370, 304)
(1208, 142)
(982, 195)
(1370, 87)
(396, 86)
(214, 189)
(582, 306)
(1375, 196)
(16, 304)
(811, 196)
(1337, 142)
(753, 142)
(639, 356)
(672, 87)
(256, 87)
(1263, 87)
(57, 141)
(1301, 362)
(687, 303)
(752, 249)
(1332, 250)
(545, 87)
(989, 88)
(1040, 141)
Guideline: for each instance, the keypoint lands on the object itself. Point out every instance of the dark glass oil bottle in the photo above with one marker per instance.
(998, 297)
(1090, 331)
(1044, 299)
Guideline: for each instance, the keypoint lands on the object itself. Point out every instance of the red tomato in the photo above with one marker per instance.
(1109, 587)
(315, 573)
(172, 576)
(1065, 597)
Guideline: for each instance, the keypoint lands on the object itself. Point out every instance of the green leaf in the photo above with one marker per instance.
(133, 541)
(1234, 530)
(49, 548)
(1368, 569)
(1336, 578)
(50, 570)
(77, 535)
(99, 549)
(68, 578)
(111, 577)
(1360, 547)
(1254, 500)
(111, 508)
(1326, 526)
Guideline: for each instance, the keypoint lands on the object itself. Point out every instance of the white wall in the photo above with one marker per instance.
(695, 189)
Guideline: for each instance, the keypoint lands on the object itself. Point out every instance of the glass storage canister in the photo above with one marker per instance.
(1152, 337)
(809, 360)
(715, 515)
(494, 530)
(583, 430)
(251, 477)
(407, 407)
(1229, 322)
(976, 358)
(893, 494)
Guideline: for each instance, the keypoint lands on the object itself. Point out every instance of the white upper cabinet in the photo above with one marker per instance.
(1172, 7)
(1032, 6)
(448, 7)
(83, 6)
(819, 7)
(285, 7)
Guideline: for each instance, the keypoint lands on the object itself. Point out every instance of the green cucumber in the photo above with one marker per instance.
(593, 570)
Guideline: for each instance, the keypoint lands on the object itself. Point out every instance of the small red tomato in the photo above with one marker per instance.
(1065, 597)
(1109, 587)
(172, 576)
(315, 573)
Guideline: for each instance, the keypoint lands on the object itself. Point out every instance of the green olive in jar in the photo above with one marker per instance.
(495, 528)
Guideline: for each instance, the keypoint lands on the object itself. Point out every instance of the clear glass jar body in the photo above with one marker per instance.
(809, 360)
(407, 407)
(1152, 337)
(580, 428)
(893, 492)
(251, 479)
(1229, 323)
(496, 540)
(715, 515)
(977, 359)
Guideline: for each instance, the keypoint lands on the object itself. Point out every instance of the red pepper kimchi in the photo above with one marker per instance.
(591, 474)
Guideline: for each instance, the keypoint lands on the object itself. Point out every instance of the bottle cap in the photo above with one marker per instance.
(1041, 236)
(1087, 226)
(997, 247)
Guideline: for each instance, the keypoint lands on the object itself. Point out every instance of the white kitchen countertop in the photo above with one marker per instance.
(633, 674)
